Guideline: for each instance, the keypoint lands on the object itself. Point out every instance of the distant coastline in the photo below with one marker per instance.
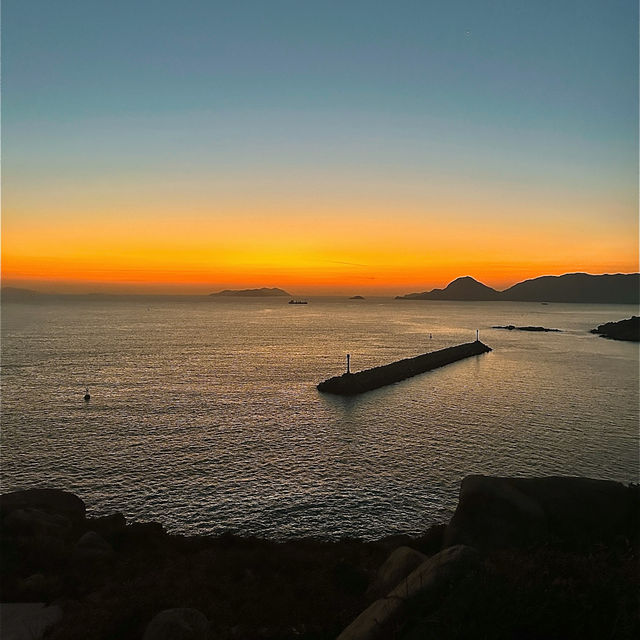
(619, 288)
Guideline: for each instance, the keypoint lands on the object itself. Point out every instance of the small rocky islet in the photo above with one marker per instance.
(553, 556)
(511, 327)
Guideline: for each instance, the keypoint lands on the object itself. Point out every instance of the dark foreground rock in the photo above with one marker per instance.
(522, 557)
(497, 512)
(394, 569)
(49, 501)
(178, 624)
(628, 330)
(27, 620)
(430, 580)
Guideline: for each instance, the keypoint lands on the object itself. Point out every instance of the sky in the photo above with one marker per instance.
(322, 147)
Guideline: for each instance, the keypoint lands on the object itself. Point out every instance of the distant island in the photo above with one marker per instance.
(511, 327)
(356, 298)
(253, 293)
(619, 288)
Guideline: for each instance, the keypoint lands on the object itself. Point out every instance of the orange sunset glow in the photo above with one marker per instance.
(312, 181)
(324, 253)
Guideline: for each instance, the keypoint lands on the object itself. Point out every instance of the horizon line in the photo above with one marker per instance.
(54, 293)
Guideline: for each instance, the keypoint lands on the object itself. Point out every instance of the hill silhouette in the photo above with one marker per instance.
(620, 288)
(465, 288)
(578, 287)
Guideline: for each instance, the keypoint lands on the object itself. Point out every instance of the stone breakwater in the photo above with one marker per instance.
(351, 384)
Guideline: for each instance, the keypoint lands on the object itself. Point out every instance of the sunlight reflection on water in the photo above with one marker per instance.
(204, 414)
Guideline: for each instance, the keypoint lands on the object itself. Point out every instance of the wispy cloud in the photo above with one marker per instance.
(352, 264)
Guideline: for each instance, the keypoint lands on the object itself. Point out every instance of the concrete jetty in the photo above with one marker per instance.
(351, 384)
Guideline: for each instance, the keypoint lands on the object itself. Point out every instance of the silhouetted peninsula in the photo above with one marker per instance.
(253, 293)
(620, 288)
(617, 288)
(622, 330)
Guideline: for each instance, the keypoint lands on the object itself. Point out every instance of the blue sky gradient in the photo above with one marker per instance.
(292, 100)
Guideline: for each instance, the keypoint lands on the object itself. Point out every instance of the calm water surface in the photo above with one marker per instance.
(204, 413)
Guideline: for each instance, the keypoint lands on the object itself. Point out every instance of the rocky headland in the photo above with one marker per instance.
(616, 288)
(521, 557)
(628, 330)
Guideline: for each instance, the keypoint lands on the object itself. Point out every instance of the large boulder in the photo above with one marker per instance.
(108, 526)
(92, 546)
(395, 568)
(38, 587)
(51, 501)
(496, 512)
(492, 512)
(430, 581)
(36, 522)
(177, 624)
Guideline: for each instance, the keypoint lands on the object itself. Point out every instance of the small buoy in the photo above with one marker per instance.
(87, 395)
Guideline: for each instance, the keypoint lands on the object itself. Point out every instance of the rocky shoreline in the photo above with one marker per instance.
(521, 557)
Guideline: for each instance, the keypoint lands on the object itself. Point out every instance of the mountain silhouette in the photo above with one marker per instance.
(578, 287)
(465, 288)
(619, 288)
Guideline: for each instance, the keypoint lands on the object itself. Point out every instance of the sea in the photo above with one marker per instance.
(204, 413)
